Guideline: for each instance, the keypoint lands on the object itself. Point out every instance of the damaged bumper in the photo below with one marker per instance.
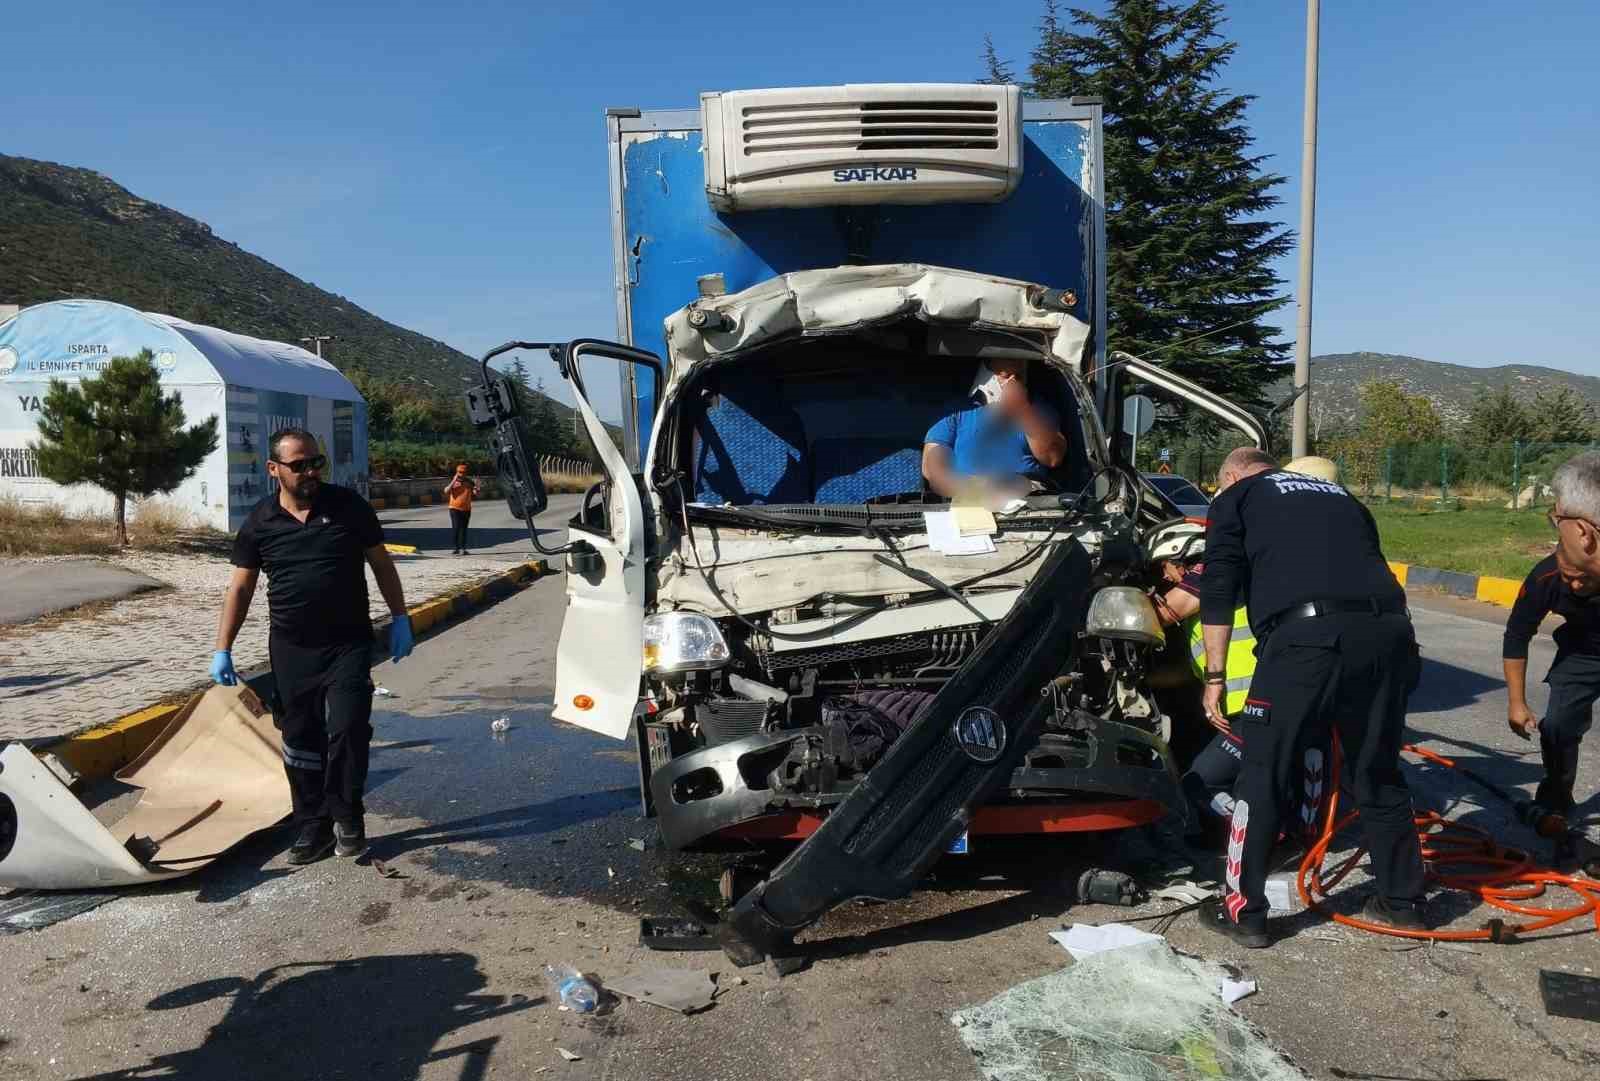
(211, 778)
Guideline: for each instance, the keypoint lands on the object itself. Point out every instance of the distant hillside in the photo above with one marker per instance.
(1336, 380)
(67, 232)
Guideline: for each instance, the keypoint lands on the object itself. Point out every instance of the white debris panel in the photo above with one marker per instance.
(212, 778)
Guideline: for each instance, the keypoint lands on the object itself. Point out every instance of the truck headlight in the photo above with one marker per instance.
(1126, 613)
(682, 642)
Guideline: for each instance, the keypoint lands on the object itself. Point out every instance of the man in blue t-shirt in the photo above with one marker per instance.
(1008, 442)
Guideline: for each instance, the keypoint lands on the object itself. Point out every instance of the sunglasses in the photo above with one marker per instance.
(1556, 520)
(300, 465)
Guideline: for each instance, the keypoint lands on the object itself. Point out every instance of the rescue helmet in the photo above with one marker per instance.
(1182, 541)
(1311, 465)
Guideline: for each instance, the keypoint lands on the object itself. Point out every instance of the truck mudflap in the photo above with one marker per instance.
(884, 836)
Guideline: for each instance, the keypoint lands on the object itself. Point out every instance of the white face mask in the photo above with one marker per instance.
(986, 386)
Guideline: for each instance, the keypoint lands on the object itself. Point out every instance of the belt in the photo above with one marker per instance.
(1371, 606)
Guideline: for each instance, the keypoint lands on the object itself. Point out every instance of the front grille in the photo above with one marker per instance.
(876, 125)
(724, 720)
(947, 647)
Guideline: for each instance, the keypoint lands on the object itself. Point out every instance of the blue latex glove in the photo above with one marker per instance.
(401, 639)
(222, 668)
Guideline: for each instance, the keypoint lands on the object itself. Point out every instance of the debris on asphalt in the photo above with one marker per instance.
(29, 910)
(500, 724)
(1142, 1013)
(212, 777)
(611, 872)
(1101, 886)
(1086, 940)
(1280, 894)
(384, 870)
(1567, 994)
(573, 990)
(683, 990)
(672, 933)
(1185, 892)
(1233, 990)
(636, 844)
(382, 692)
(568, 1055)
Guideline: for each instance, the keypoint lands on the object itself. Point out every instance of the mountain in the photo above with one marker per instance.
(1336, 380)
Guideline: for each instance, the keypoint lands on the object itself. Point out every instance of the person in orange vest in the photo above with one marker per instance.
(460, 492)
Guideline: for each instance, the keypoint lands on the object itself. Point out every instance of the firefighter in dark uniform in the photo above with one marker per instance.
(315, 542)
(1566, 583)
(1337, 652)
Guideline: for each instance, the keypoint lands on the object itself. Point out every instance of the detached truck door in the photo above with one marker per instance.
(599, 661)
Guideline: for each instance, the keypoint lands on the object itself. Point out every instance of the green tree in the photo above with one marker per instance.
(1562, 415)
(1188, 250)
(1388, 416)
(118, 432)
(1496, 417)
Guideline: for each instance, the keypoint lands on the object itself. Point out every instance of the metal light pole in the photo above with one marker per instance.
(1308, 221)
(316, 341)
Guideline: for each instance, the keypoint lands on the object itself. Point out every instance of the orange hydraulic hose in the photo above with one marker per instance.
(1457, 856)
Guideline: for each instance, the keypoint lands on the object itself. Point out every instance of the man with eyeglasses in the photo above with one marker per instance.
(315, 541)
(1565, 583)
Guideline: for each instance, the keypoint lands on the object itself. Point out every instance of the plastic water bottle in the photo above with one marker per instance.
(572, 988)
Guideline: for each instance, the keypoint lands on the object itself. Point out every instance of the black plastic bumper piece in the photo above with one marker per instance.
(883, 837)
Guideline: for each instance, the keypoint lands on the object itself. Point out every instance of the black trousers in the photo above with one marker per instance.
(1208, 783)
(325, 715)
(458, 529)
(1349, 673)
(1574, 685)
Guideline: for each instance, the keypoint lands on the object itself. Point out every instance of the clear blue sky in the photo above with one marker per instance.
(444, 165)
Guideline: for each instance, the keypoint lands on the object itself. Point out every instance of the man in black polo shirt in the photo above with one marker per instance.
(1337, 652)
(315, 541)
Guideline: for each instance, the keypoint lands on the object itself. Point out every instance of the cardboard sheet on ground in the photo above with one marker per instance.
(673, 988)
(211, 778)
(1137, 1013)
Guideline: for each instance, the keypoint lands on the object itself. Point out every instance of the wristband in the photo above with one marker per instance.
(1216, 673)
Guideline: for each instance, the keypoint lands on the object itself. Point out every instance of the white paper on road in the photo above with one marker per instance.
(945, 537)
(1085, 940)
(1280, 897)
(1233, 990)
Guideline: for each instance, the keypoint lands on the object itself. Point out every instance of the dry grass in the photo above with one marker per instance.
(33, 529)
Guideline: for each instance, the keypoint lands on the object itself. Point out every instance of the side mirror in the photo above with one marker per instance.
(518, 471)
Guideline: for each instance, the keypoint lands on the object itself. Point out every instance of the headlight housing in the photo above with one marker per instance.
(683, 642)
(1125, 613)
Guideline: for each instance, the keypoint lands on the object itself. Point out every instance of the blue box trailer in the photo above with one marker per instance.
(667, 236)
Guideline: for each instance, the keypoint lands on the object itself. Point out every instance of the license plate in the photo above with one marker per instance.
(958, 847)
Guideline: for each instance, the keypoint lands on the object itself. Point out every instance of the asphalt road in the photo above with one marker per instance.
(518, 849)
(492, 532)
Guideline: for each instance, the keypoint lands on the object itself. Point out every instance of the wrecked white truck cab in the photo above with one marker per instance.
(804, 642)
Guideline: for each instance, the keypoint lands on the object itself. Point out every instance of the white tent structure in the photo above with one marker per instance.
(256, 387)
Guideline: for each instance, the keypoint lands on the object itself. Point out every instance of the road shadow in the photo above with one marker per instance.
(974, 922)
(369, 1017)
(529, 820)
(1448, 686)
(438, 538)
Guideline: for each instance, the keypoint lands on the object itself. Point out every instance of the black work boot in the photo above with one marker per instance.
(1252, 936)
(1401, 918)
(313, 842)
(349, 838)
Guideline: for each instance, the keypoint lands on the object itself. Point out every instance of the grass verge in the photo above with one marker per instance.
(1472, 540)
(40, 529)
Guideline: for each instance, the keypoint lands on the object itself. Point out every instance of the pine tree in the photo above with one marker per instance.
(118, 432)
(1497, 417)
(1562, 415)
(997, 72)
(1188, 252)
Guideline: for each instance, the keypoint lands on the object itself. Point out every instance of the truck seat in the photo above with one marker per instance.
(854, 470)
(749, 446)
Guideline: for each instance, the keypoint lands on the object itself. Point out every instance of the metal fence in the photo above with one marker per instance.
(1514, 475)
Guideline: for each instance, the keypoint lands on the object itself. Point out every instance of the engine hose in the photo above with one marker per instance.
(1458, 857)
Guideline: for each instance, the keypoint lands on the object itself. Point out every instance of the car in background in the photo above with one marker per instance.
(1182, 493)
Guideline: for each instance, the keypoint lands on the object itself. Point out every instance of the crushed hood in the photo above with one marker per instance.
(841, 299)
